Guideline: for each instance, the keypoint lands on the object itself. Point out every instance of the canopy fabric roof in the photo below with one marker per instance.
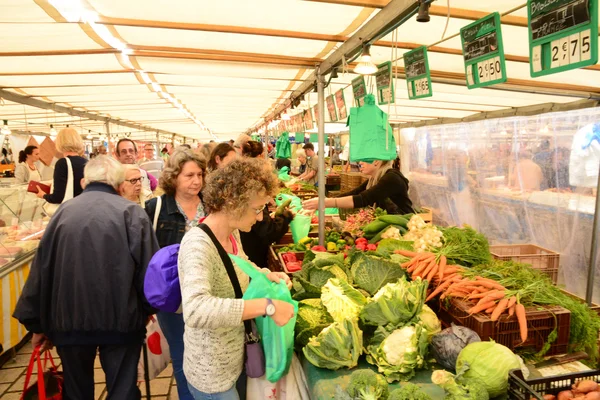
(218, 69)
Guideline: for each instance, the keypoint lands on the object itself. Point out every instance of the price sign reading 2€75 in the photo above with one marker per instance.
(418, 78)
(563, 35)
(483, 52)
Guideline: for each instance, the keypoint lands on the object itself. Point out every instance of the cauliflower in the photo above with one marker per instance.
(399, 343)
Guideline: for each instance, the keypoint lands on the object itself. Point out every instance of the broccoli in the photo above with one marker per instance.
(409, 391)
(366, 384)
(459, 388)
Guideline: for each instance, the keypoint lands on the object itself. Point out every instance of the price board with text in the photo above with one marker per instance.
(483, 52)
(563, 35)
(341, 105)
(418, 77)
(330, 103)
(384, 82)
(359, 89)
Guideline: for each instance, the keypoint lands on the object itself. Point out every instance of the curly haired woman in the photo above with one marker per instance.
(234, 198)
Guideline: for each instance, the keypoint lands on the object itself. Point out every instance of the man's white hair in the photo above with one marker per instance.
(104, 169)
(241, 141)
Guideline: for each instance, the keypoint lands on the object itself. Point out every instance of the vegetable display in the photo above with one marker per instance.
(312, 318)
(424, 236)
(489, 363)
(367, 385)
(371, 273)
(337, 346)
(342, 300)
(447, 345)
(409, 391)
(355, 222)
(459, 388)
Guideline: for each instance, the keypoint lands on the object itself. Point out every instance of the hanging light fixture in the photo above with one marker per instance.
(52, 130)
(365, 64)
(89, 135)
(285, 116)
(5, 130)
(334, 73)
(423, 15)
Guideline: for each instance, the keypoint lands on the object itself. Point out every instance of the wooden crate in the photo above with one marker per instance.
(351, 180)
(544, 260)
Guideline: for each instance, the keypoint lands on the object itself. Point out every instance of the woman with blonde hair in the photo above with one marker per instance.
(386, 188)
(68, 171)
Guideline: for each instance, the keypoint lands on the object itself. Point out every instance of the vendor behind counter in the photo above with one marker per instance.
(387, 188)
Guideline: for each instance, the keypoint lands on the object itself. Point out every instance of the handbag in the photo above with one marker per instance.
(50, 208)
(159, 355)
(255, 356)
(49, 385)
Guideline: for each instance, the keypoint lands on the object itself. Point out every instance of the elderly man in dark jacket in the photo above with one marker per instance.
(85, 289)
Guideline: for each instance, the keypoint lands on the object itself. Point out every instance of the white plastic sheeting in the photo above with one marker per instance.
(510, 179)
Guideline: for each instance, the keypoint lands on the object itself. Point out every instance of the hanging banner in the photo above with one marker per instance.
(385, 85)
(300, 122)
(483, 52)
(563, 35)
(316, 114)
(359, 89)
(314, 138)
(341, 104)
(299, 137)
(308, 121)
(330, 101)
(418, 77)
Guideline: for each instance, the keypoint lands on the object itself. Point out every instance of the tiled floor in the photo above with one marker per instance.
(12, 379)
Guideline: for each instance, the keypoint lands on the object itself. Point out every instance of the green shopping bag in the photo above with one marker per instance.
(300, 226)
(295, 205)
(329, 211)
(277, 341)
(283, 148)
(371, 136)
(284, 174)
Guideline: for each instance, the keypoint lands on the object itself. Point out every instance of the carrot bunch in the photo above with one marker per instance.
(486, 294)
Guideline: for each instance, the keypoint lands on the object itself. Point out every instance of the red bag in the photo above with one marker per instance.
(50, 383)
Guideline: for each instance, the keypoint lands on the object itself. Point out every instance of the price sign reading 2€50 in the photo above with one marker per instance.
(563, 35)
(418, 77)
(483, 52)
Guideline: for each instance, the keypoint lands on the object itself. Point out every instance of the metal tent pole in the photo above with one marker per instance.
(321, 173)
(594, 256)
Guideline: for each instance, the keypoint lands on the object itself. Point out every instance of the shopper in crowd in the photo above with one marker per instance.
(311, 174)
(69, 143)
(301, 156)
(26, 170)
(206, 150)
(5, 159)
(84, 292)
(222, 154)
(240, 142)
(152, 165)
(181, 210)
(283, 162)
(524, 174)
(386, 188)
(102, 150)
(132, 186)
(235, 197)
(126, 152)
(268, 230)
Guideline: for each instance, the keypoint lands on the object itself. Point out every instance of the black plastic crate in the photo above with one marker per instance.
(519, 388)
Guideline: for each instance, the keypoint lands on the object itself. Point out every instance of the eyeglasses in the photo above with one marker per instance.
(259, 210)
(134, 180)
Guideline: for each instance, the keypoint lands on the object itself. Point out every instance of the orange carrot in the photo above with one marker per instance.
(511, 301)
(448, 277)
(500, 309)
(405, 253)
(430, 268)
(420, 268)
(481, 307)
(406, 264)
(522, 318)
(482, 293)
(451, 269)
(511, 310)
(489, 283)
(442, 266)
(439, 289)
(491, 309)
(492, 296)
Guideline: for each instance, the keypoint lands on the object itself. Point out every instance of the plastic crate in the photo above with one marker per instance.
(544, 260)
(273, 262)
(541, 321)
(519, 388)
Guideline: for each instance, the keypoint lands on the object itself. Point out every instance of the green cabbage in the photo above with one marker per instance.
(308, 282)
(395, 303)
(488, 362)
(342, 300)
(371, 273)
(397, 353)
(430, 321)
(337, 346)
(312, 318)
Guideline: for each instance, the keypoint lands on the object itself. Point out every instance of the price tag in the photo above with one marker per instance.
(563, 35)
(483, 52)
(418, 76)
(384, 82)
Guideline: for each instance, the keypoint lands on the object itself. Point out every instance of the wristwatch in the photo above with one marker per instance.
(270, 310)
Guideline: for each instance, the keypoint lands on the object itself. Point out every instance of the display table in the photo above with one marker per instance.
(322, 382)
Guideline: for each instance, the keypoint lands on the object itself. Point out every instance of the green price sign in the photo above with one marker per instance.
(418, 77)
(563, 35)
(359, 89)
(385, 85)
(483, 52)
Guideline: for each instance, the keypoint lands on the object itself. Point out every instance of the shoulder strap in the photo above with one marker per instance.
(69, 188)
(230, 271)
(157, 211)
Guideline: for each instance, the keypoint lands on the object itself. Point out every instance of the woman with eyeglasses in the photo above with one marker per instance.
(235, 197)
(132, 186)
(181, 209)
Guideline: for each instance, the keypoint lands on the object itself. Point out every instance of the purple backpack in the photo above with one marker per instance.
(161, 282)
